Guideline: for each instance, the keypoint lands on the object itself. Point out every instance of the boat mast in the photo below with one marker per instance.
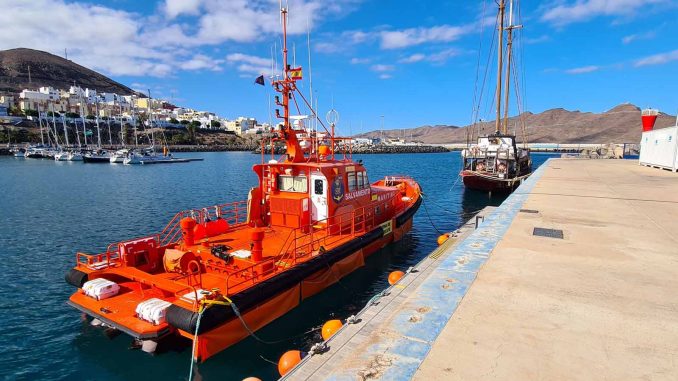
(82, 118)
(63, 122)
(122, 137)
(96, 108)
(134, 120)
(108, 122)
(42, 137)
(497, 122)
(286, 86)
(509, 44)
(149, 118)
(56, 133)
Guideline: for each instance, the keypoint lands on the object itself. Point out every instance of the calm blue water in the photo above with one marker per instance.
(49, 210)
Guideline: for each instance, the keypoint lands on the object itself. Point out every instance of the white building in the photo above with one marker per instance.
(43, 94)
(240, 125)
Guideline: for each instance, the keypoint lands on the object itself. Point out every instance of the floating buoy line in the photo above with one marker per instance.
(292, 358)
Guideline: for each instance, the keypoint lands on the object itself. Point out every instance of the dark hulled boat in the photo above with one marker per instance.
(495, 163)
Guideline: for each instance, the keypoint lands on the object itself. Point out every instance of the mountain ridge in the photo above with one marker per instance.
(47, 69)
(620, 124)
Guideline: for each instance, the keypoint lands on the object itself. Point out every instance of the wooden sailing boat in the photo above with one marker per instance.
(495, 162)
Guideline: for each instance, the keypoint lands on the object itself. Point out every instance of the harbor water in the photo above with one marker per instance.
(49, 210)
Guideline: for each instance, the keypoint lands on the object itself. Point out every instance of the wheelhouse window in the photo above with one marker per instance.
(361, 180)
(351, 177)
(297, 184)
(366, 181)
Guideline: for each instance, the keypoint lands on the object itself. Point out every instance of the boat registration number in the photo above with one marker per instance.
(387, 227)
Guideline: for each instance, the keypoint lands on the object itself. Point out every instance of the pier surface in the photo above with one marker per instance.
(503, 303)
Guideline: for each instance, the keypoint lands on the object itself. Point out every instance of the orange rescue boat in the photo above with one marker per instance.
(215, 274)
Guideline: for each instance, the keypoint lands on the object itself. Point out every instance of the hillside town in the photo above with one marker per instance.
(75, 102)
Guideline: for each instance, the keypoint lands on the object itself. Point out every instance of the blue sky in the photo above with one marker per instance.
(414, 62)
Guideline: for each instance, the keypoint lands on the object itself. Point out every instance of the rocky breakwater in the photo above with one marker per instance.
(375, 149)
(399, 149)
(212, 148)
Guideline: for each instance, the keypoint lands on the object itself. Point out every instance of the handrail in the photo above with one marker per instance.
(231, 212)
(301, 239)
(336, 228)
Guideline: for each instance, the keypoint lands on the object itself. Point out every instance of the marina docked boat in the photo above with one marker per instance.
(39, 152)
(19, 152)
(495, 162)
(119, 156)
(215, 275)
(68, 156)
(146, 156)
(97, 156)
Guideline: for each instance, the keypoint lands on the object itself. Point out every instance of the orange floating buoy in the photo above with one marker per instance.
(252, 379)
(443, 238)
(330, 328)
(289, 360)
(394, 277)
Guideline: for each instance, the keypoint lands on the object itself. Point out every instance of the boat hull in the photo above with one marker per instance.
(475, 181)
(259, 304)
(220, 328)
(96, 159)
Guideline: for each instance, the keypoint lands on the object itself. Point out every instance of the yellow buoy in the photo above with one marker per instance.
(289, 360)
(443, 238)
(330, 328)
(394, 277)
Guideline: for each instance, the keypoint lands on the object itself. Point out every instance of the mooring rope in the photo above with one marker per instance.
(428, 215)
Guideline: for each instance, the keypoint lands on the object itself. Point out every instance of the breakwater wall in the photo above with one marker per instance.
(376, 149)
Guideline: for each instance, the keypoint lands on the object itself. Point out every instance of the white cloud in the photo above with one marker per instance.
(437, 57)
(537, 40)
(413, 58)
(560, 13)
(382, 68)
(638, 36)
(359, 61)
(250, 64)
(443, 55)
(657, 59)
(174, 8)
(113, 43)
(251, 20)
(385, 76)
(583, 69)
(118, 42)
(403, 38)
(326, 47)
(201, 61)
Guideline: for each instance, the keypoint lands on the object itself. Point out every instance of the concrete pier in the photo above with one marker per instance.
(573, 277)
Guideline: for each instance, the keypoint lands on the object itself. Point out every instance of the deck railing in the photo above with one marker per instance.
(306, 240)
(234, 213)
(300, 242)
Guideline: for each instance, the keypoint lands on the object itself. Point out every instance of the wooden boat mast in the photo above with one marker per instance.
(509, 49)
(500, 52)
